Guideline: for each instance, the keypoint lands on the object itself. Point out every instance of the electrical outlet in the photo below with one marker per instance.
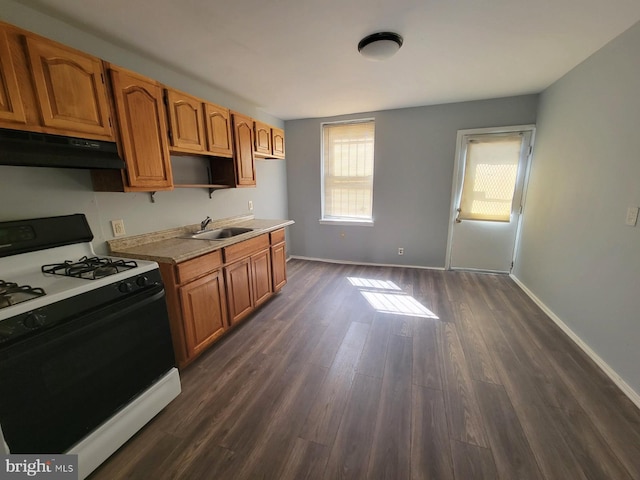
(632, 216)
(251, 205)
(400, 251)
(118, 228)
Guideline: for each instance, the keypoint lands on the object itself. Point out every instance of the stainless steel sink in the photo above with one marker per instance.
(220, 233)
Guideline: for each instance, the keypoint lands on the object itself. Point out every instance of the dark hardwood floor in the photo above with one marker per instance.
(452, 375)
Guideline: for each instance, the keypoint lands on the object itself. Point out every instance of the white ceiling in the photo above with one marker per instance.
(299, 58)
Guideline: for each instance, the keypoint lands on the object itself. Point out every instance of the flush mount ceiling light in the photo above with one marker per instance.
(380, 46)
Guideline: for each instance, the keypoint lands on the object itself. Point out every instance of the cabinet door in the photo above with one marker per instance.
(279, 266)
(218, 128)
(70, 89)
(11, 108)
(262, 138)
(186, 122)
(143, 131)
(261, 276)
(243, 150)
(277, 142)
(239, 289)
(204, 311)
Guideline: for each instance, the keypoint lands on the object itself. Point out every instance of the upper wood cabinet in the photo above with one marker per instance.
(50, 88)
(218, 128)
(277, 142)
(11, 108)
(186, 122)
(262, 138)
(143, 130)
(197, 126)
(268, 140)
(243, 150)
(70, 87)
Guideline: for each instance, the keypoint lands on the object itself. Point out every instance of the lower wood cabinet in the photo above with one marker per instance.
(204, 311)
(239, 289)
(278, 266)
(209, 294)
(278, 259)
(197, 304)
(249, 284)
(261, 276)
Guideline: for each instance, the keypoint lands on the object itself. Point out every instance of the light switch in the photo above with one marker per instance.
(632, 216)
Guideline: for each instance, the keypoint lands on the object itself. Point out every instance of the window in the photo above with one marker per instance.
(347, 171)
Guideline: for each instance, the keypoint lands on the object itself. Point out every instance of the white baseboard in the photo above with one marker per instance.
(348, 262)
(604, 366)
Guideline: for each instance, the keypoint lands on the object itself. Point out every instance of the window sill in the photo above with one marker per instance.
(356, 223)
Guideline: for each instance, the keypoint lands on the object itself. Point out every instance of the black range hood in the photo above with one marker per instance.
(29, 149)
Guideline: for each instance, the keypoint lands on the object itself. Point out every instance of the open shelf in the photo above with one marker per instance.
(211, 173)
(201, 185)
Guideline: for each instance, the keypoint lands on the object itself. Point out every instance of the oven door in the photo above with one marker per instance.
(58, 386)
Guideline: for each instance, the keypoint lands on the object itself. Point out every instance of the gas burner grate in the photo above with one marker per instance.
(11, 293)
(90, 268)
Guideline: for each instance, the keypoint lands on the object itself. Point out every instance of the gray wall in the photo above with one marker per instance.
(414, 158)
(577, 254)
(32, 192)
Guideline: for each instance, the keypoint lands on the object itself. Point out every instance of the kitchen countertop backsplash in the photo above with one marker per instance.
(167, 246)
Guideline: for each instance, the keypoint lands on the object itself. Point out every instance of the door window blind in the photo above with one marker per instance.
(348, 170)
(490, 173)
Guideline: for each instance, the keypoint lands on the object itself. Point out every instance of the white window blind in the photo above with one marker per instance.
(347, 167)
(491, 169)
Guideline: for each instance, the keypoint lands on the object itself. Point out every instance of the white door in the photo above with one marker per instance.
(488, 188)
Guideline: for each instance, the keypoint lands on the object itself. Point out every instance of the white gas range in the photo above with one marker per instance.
(86, 357)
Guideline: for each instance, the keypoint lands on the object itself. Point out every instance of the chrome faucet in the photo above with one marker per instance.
(204, 223)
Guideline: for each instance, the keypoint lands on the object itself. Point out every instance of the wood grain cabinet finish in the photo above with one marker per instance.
(261, 276)
(211, 293)
(243, 150)
(249, 284)
(278, 260)
(143, 130)
(262, 138)
(197, 126)
(11, 108)
(218, 128)
(204, 311)
(70, 88)
(186, 122)
(277, 142)
(248, 276)
(269, 141)
(196, 302)
(239, 289)
(50, 88)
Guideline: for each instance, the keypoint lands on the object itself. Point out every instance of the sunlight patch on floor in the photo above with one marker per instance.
(387, 297)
